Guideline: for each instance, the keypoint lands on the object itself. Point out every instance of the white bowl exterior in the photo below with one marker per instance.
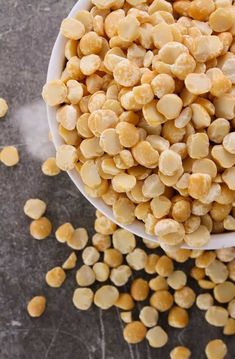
(55, 69)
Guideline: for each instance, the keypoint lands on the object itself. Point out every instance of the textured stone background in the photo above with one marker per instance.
(27, 32)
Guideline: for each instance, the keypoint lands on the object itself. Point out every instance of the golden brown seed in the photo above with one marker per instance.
(158, 283)
(164, 266)
(216, 349)
(125, 302)
(180, 353)
(162, 300)
(113, 257)
(40, 228)
(36, 306)
(139, 289)
(229, 328)
(178, 317)
(64, 232)
(134, 332)
(55, 277)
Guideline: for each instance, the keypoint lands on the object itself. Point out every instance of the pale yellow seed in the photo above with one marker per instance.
(72, 29)
(35, 208)
(169, 231)
(126, 73)
(153, 186)
(177, 280)
(216, 349)
(170, 106)
(54, 92)
(185, 297)
(120, 275)
(221, 20)
(106, 296)
(83, 298)
(126, 317)
(9, 156)
(228, 142)
(149, 316)
(198, 238)
(198, 145)
(124, 241)
(90, 255)
(217, 316)
(224, 292)
(50, 168)
(3, 107)
(70, 262)
(137, 259)
(200, 116)
(204, 301)
(90, 43)
(85, 276)
(128, 28)
(198, 84)
(86, 18)
(162, 84)
(162, 34)
(157, 337)
(66, 157)
(169, 162)
(160, 206)
(101, 271)
(89, 64)
(75, 91)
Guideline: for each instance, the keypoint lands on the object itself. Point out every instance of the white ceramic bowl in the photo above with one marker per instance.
(55, 69)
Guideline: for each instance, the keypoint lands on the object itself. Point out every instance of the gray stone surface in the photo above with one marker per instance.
(27, 32)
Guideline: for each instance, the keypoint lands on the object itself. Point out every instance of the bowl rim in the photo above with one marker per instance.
(55, 68)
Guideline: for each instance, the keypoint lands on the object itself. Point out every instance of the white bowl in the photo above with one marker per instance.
(55, 69)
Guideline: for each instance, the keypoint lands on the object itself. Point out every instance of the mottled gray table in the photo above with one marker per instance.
(27, 32)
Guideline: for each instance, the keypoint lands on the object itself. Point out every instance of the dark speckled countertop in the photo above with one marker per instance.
(27, 31)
